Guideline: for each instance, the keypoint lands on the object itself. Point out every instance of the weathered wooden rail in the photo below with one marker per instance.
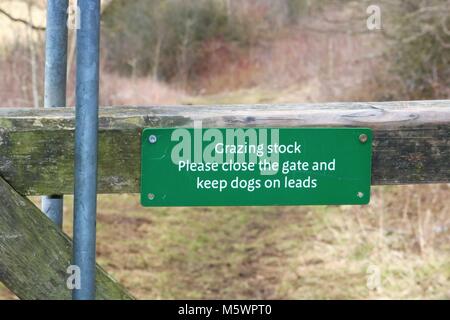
(411, 139)
(35, 253)
(411, 145)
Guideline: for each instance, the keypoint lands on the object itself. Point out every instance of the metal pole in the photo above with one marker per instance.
(86, 131)
(55, 82)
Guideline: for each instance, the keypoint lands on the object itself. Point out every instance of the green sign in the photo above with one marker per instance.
(255, 166)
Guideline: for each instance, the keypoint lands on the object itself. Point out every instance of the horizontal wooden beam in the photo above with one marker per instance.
(411, 139)
(35, 254)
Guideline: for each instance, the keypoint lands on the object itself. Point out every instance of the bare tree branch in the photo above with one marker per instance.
(25, 22)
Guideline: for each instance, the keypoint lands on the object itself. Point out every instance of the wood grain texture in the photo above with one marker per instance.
(411, 139)
(35, 254)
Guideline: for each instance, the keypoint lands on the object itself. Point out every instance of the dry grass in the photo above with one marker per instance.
(117, 90)
(279, 252)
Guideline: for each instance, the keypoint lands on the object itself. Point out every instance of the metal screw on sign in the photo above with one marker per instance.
(151, 196)
(360, 194)
(363, 138)
(152, 139)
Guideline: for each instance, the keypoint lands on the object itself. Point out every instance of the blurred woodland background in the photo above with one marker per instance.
(258, 51)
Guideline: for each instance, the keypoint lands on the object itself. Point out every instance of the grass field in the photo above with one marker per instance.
(279, 252)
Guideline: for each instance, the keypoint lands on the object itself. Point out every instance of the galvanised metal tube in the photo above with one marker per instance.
(55, 82)
(86, 140)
